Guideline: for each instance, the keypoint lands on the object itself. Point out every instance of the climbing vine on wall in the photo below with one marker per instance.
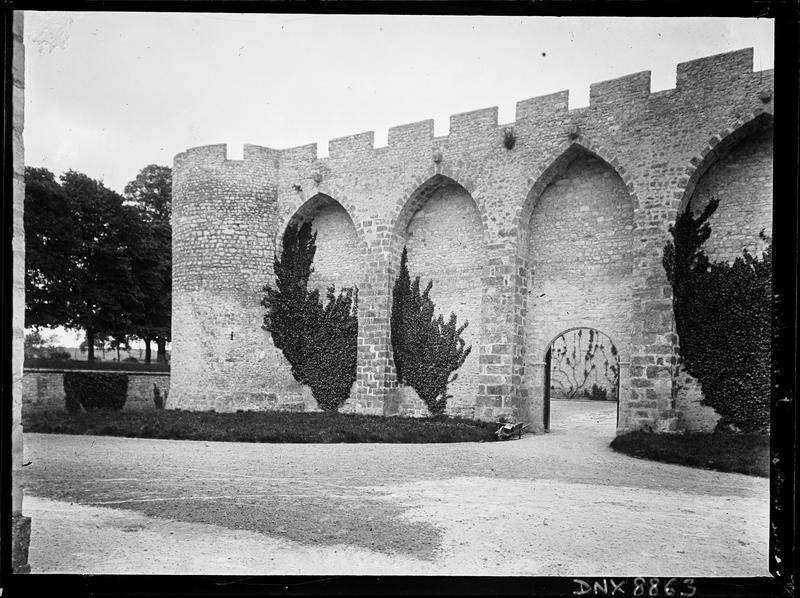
(574, 367)
(723, 319)
(319, 339)
(427, 350)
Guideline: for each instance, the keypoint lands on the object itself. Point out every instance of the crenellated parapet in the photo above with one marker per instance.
(631, 94)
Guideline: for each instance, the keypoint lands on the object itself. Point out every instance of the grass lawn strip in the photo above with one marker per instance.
(272, 426)
(746, 453)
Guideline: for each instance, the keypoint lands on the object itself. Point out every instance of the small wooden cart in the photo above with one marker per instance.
(506, 430)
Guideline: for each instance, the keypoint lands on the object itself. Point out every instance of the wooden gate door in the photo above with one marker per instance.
(547, 365)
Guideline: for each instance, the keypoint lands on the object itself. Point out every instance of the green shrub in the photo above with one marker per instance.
(723, 320)
(320, 341)
(95, 391)
(60, 355)
(426, 350)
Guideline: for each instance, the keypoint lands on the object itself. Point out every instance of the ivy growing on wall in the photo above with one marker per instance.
(319, 339)
(723, 316)
(575, 366)
(427, 350)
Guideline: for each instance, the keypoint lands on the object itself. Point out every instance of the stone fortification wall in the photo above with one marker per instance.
(14, 187)
(223, 229)
(337, 261)
(44, 389)
(742, 181)
(647, 152)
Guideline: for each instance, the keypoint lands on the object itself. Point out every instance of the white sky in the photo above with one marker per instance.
(108, 93)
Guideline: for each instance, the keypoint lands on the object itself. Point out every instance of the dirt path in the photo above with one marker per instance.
(556, 504)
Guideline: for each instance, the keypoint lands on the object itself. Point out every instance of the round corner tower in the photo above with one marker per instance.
(224, 225)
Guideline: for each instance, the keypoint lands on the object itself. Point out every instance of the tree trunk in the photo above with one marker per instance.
(90, 344)
(148, 353)
(161, 356)
(117, 353)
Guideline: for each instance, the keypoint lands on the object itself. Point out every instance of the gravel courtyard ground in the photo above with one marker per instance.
(561, 503)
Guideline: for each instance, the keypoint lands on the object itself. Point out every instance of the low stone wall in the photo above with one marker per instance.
(44, 389)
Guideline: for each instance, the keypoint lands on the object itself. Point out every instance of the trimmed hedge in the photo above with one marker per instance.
(723, 318)
(95, 391)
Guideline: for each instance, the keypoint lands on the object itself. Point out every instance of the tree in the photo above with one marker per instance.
(78, 273)
(52, 237)
(150, 193)
(34, 344)
(320, 341)
(427, 350)
(723, 320)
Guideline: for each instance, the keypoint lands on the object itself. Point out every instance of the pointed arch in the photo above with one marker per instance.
(544, 174)
(309, 208)
(441, 224)
(340, 249)
(417, 195)
(716, 149)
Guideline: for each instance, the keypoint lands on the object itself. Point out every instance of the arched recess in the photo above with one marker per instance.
(581, 363)
(541, 177)
(736, 168)
(576, 248)
(441, 226)
(339, 257)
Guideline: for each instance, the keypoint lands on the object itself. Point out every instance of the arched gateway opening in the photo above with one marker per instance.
(581, 364)
(578, 253)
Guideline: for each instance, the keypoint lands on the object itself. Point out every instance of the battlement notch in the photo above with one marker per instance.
(260, 154)
(217, 155)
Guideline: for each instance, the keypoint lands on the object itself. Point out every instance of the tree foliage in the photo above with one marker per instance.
(97, 261)
(319, 340)
(150, 193)
(52, 238)
(723, 319)
(427, 349)
(79, 274)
